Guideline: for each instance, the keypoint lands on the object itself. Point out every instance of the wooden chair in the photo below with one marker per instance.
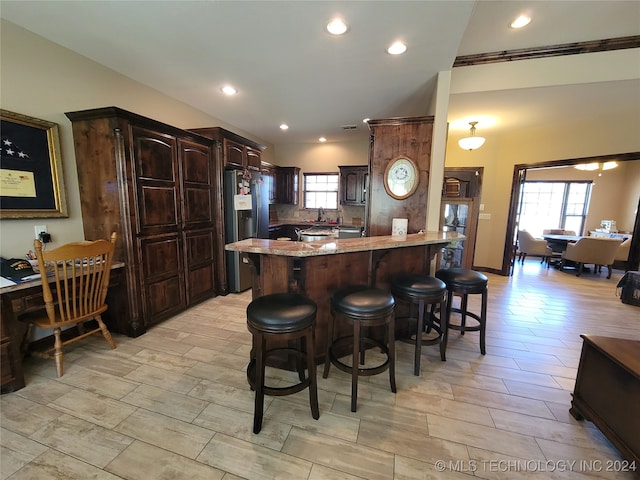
(81, 271)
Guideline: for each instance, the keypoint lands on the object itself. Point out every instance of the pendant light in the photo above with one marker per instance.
(471, 142)
(596, 166)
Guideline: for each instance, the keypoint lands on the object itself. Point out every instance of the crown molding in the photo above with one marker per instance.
(576, 48)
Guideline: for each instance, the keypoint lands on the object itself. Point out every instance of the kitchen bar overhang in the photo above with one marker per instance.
(317, 269)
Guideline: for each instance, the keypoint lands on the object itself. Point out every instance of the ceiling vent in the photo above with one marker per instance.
(349, 127)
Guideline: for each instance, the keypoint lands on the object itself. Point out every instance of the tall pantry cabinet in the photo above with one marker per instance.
(157, 186)
(392, 139)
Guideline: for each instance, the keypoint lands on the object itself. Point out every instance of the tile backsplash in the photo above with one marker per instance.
(294, 212)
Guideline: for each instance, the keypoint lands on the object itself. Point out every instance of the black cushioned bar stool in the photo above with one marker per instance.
(464, 282)
(282, 316)
(421, 291)
(362, 306)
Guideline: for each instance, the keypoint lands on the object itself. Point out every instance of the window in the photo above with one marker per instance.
(554, 205)
(321, 190)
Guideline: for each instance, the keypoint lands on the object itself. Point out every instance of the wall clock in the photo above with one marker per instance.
(401, 178)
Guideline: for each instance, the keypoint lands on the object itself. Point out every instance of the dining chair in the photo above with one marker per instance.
(75, 278)
(529, 245)
(592, 250)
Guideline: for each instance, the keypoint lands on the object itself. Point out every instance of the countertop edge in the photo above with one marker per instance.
(341, 245)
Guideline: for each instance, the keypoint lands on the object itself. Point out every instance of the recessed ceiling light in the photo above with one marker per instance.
(397, 48)
(322, 139)
(337, 26)
(521, 21)
(284, 126)
(228, 90)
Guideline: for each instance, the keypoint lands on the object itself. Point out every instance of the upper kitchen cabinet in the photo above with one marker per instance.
(354, 181)
(156, 186)
(399, 161)
(269, 172)
(287, 185)
(237, 152)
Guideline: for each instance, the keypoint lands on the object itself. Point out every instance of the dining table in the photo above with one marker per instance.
(558, 243)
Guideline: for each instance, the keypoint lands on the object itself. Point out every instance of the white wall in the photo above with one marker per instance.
(323, 157)
(43, 80)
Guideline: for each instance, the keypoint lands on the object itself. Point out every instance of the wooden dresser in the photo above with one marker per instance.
(607, 391)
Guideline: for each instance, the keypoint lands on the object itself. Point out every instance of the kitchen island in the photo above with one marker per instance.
(317, 269)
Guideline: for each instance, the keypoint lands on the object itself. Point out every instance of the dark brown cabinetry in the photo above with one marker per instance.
(237, 152)
(275, 232)
(159, 187)
(354, 181)
(269, 177)
(607, 391)
(12, 377)
(287, 184)
(390, 139)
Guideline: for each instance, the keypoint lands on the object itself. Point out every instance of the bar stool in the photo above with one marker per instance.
(282, 316)
(463, 282)
(361, 306)
(421, 291)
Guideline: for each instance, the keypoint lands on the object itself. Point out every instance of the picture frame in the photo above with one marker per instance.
(31, 176)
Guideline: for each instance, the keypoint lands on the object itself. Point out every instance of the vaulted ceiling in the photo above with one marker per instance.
(287, 69)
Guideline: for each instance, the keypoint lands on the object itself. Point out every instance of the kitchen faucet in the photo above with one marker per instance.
(320, 213)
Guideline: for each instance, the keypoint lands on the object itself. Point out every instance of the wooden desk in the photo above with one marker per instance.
(607, 391)
(26, 297)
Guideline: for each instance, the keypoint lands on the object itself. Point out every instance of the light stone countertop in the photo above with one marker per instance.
(340, 245)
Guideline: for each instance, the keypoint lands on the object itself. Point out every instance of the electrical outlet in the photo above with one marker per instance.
(39, 229)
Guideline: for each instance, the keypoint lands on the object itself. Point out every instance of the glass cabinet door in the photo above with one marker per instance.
(456, 216)
(454, 219)
(459, 213)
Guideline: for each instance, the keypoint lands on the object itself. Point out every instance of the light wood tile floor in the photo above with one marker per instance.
(175, 404)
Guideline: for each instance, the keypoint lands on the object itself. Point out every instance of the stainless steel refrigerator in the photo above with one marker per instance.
(246, 216)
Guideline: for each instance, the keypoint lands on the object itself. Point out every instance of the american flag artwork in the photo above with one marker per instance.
(11, 150)
(27, 181)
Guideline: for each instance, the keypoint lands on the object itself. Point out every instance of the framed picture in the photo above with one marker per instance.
(31, 180)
